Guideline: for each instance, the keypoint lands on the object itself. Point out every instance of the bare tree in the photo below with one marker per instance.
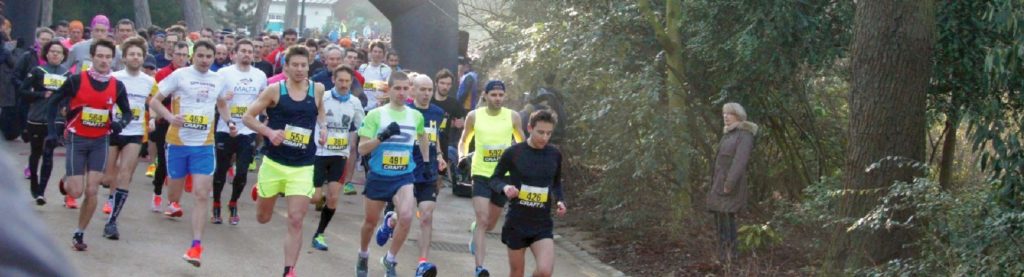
(262, 9)
(193, 14)
(291, 14)
(46, 13)
(142, 17)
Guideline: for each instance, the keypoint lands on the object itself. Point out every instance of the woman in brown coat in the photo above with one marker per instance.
(729, 190)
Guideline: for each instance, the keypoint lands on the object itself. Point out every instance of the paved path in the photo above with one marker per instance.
(152, 245)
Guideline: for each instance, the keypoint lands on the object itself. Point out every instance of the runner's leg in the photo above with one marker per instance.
(517, 262)
(297, 207)
(373, 208)
(426, 226)
(544, 256)
(482, 207)
(201, 186)
(405, 205)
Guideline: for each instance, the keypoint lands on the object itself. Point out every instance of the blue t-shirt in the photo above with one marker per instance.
(433, 116)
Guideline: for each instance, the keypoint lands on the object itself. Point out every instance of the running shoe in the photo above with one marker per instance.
(173, 210)
(157, 199)
(193, 254)
(319, 243)
(361, 267)
(78, 241)
(151, 170)
(426, 269)
(233, 208)
(349, 189)
(110, 231)
(70, 202)
(384, 231)
(107, 208)
(291, 273)
(216, 220)
(390, 268)
(234, 220)
(482, 272)
(40, 200)
(28, 173)
(216, 214)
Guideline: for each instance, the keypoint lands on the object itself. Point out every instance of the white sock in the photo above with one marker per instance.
(364, 254)
(390, 257)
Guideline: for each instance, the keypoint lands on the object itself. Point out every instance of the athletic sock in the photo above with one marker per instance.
(325, 218)
(120, 197)
(364, 254)
(390, 257)
(196, 242)
(423, 259)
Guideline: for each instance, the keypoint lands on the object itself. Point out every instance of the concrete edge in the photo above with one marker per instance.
(584, 256)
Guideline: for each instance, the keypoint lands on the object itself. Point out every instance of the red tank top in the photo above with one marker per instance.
(94, 109)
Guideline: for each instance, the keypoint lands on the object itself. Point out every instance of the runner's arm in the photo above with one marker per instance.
(557, 184)
(321, 117)
(350, 163)
(467, 134)
(123, 105)
(222, 109)
(28, 87)
(504, 166)
(266, 98)
(58, 100)
(156, 106)
(517, 128)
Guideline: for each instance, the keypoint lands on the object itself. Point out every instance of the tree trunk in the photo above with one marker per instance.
(142, 18)
(291, 14)
(262, 9)
(193, 14)
(948, 151)
(46, 13)
(890, 61)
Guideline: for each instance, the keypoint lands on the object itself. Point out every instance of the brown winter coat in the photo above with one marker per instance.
(731, 169)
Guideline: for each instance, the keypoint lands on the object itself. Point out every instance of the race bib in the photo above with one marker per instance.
(396, 160)
(337, 141)
(492, 153)
(136, 112)
(95, 117)
(53, 81)
(297, 137)
(197, 121)
(238, 111)
(535, 197)
(432, 134)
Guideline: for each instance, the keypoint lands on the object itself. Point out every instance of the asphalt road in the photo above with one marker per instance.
(152, 245)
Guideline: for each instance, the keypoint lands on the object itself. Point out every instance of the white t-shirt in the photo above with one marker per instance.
(380, 72)
(194, 97)
(139, 89)
(342, 118)
(245, 87)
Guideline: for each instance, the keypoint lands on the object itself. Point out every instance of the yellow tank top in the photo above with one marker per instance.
(492, 135)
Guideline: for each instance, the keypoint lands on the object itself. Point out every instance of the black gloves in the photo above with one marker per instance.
(52, 141)
(115, 128)
(388, 132)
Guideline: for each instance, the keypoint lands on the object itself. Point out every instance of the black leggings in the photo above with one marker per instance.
(36, 136)
(726, 223)
(158, 138)
(242, 147)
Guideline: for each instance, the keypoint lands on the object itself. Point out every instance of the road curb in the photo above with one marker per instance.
(584, 256)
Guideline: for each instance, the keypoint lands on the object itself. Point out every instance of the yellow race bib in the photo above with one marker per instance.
(534, 197)
(396, 160)
(95, 117)
(297, 136)
(492, 153)
(238, 111)
(53, 81)
(336, 141)
(197, 122)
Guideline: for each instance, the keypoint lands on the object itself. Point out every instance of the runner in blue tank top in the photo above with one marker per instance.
(388, 134)
(294, 108)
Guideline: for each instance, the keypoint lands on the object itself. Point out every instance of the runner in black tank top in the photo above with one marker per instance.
(295, 109)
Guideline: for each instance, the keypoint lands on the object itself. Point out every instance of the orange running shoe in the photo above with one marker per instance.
(70, 202)
(173, 210)
(192, 256)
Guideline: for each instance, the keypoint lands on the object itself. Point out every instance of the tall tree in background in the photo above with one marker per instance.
(193, 14)
(891, 65)
(142, 17)
(260, 22)
(46, 13)
(291, 14)
(235, 14)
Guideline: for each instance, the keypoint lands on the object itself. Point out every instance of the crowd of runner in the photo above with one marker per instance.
(305, 113)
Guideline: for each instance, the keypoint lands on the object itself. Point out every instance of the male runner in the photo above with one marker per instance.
(425, 183)
(124, 147)
(244, 83)
(294, 108)
(333, 165)
(89, 98)
(492, 129)
(387, 135)
(455, 114)
(196, 92)
(534, 169)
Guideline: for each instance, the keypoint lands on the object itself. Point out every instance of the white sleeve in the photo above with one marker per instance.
(169, 85)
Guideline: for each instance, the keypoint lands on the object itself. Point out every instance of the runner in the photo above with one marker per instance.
(388, 134)
(426, 185)
(196, 91)
(124, 148)
(159, 134)
(288, 166)
(454, 114)
(89, 98)
(534, 169)
(497, 127)
(333, 165)
(335, 57)
(376, 70)
(41, 82)
(79, 54)
(244, 83)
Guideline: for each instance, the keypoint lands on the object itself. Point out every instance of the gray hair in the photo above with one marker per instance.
(736, 109)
